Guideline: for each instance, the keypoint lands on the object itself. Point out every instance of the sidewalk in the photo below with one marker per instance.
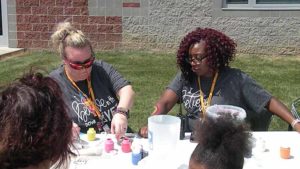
(6, 52)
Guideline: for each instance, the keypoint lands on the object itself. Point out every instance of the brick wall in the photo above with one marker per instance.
(155, 24)
(35, 21)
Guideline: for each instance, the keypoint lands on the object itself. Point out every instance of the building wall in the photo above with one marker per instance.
(153, 24)
(33, 22)
(255, 31)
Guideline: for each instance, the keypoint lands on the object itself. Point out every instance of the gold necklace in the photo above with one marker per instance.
(205, 105)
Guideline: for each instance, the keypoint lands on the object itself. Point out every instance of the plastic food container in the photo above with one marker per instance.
(234, 112)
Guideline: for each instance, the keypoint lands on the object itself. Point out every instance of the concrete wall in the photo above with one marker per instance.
(153, 24)
(255, 31)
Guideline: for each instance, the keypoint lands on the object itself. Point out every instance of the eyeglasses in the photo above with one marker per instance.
(195, 59)
(81, 65)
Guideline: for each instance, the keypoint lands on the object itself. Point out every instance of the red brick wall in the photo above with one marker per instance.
(37, 18)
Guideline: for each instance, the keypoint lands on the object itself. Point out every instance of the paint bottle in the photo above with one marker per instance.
(126, 145)
(91, 134)
(108, 145)
(137, 153)
(285, 152)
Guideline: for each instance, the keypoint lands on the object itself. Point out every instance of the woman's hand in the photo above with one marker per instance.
(119, 125)
(143, 132)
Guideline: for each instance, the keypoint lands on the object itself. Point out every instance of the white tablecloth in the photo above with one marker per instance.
(267, 156)
(271, 157)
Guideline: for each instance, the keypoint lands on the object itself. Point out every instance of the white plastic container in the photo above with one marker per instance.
(163, 134)
(215, 111)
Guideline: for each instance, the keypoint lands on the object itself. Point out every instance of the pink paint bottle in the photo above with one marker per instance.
(108, 145)
(126, 145)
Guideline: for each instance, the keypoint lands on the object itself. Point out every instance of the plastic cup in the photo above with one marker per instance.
(163, 134)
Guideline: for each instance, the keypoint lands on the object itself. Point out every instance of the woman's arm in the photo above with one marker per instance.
(119, 122)
(166, 102)
(126, 95)
(279, 109)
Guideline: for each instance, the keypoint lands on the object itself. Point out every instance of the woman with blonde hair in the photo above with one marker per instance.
(96, 94)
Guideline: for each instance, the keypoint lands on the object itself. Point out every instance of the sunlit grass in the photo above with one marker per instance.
(151, 72)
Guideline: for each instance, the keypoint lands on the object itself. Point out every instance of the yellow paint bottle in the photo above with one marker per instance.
(91, 134)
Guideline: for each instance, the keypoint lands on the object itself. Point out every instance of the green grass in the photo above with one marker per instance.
(150, 73)
(279, 75)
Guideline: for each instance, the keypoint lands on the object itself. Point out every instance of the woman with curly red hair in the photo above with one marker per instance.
(206, 78)
(36, 132)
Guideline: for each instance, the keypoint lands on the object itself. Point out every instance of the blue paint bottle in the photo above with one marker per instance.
(136, 154)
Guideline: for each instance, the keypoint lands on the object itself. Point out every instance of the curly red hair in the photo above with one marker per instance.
(219, 48)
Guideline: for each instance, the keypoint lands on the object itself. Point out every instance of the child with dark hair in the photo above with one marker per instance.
(36, 132)
(222, 144)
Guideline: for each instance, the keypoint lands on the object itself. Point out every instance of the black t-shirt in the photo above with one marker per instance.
(233, 87)
(106, 82)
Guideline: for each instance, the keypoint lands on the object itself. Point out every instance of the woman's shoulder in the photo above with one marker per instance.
(98, 63)
(179, 77)
(233, 71)
(234, 74)
(102, 65)
(57, 73)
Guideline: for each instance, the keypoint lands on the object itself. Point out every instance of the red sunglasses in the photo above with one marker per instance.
(81, 65)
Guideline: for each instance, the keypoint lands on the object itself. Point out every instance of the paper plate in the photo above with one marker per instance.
(216, 111)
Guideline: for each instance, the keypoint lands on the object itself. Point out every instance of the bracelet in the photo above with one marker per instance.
(122, 110)
(294, 122)
(156, 110)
